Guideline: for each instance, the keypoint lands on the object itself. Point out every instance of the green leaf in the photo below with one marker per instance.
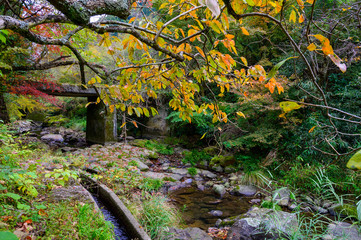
(274, 70)
(8, 236)
(23, 206)
(2, 38)
(13, 195)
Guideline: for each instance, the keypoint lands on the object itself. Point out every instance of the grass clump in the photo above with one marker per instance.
(155, 214)
(192, 171)
(150, 184)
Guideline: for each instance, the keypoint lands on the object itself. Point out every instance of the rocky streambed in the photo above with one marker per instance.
(209, 200)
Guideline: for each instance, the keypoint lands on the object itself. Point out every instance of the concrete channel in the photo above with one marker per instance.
(116, 206)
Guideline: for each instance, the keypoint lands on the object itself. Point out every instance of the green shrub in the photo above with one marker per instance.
(195, 156)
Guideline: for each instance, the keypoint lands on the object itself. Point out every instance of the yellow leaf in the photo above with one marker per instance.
(312, 128)
(203, 135)
(355, 161)
(111, 107)
(288, 106)
(326, 46)
(135, 124)
(132, 19)
(301, 19)
(244, 31)
(311, 47)
(123, 124)
(92, 81)
(244, 60)
(293, 16)
(241, 114)
(201, 52)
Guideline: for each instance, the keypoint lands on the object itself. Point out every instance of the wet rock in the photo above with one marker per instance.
(219, 190)
(187, 234)
(207, 174)
(319, 209)
(326, 204)
(217, 168)
(262, 223)
(218, 223)
(292, 206)
(52, 138)
(200, 187)
(342, 231)
(282, 196)
(188, 181)
(230, 169)
(216, 213)
(142, 167)
(246, 190)
(256, 200)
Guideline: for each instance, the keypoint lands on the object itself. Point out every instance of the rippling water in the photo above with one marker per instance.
(196, 205)
(119, 229)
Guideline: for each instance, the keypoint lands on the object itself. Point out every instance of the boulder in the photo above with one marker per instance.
(219, 190)
(208, 174)
(142, 166)
(282, 196)
(342, 231)
(52, 138)
(23, 126)
(187, 234)
(263, 223)
(217, 168)
(246, 190)
(216, 213)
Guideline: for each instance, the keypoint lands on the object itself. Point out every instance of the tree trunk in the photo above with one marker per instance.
(4, 116)
(80, 11)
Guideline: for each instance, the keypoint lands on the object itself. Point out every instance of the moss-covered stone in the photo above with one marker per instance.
(211, 150)
(223, 161)
(138, 143)
(346, 209)
(153, 155)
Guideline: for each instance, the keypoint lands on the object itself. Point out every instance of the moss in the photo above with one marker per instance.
(169, 179)
(211, 150)
(222, 161)
(153, 155)
(347, 209)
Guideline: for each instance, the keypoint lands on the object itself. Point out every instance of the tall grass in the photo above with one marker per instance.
(155, 214)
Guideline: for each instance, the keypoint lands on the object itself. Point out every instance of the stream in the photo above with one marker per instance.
(119, 229)
(195, 206)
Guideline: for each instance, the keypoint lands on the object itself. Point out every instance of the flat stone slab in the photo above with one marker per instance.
(154, 175)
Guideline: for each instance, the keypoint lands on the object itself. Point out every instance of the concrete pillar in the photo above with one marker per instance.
(101, 124)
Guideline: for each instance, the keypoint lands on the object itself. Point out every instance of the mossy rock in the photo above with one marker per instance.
(223, 161)
(153, 155)
(211, 150)
(139, 142)
(346, 209)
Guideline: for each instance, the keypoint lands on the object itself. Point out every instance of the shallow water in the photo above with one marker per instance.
(195, 206)
(119, 229)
